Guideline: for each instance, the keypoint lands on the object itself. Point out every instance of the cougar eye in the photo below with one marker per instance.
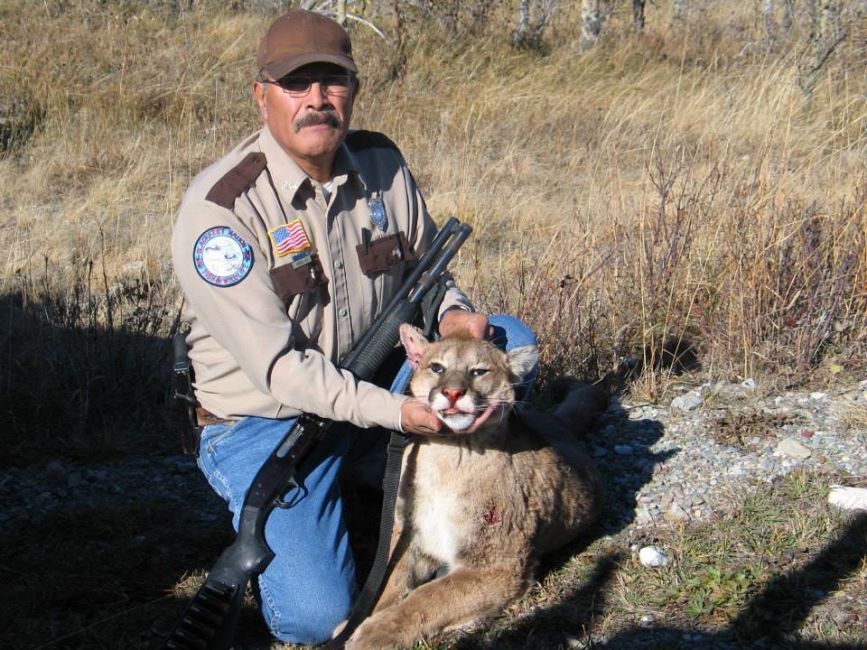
(478, 372)
(436, 368)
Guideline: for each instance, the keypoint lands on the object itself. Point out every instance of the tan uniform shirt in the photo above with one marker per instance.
(281, 276)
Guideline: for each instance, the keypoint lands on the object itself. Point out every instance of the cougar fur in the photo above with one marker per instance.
(485, 505)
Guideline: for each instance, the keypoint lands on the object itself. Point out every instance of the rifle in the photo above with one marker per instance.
(210, 619)
(184, 397)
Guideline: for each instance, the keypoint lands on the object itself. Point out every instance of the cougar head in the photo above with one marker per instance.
(462, 377)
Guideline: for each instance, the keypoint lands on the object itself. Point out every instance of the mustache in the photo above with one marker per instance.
(326, 116)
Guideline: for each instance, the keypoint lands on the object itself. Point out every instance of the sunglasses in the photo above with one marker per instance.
(298, 85)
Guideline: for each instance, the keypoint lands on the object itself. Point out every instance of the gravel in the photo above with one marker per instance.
(678, 462)
(32, 494)
(683, 461)
(699, 455)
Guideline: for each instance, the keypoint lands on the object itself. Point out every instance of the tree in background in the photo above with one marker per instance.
(591, 22)
(826, 33)
(820, 24)
(533, 17)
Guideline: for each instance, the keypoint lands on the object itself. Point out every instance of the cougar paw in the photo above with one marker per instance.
(373, 635)
(339, 629)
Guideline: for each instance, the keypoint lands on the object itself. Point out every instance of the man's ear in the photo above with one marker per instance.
(259, 95)
(414, 342)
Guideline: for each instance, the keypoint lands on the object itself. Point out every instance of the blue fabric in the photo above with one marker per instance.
(309, 587)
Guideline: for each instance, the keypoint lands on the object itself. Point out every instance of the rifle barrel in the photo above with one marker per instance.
(427, 260)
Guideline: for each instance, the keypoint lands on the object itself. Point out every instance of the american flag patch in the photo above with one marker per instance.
(289, 238)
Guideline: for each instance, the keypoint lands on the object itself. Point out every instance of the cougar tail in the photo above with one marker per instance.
(579, 404)
(575, 413)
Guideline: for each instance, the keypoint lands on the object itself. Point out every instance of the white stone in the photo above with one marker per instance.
(848, 498)
(652, 556)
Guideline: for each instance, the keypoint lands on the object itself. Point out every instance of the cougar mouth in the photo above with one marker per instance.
(460, 419)
(456, 419)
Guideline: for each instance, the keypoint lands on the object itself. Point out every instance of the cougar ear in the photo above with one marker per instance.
(522, 360)
(415, 343)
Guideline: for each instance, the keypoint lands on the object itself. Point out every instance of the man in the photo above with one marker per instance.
(287, 249)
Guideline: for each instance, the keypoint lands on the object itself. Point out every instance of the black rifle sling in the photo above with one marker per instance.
(375, 579)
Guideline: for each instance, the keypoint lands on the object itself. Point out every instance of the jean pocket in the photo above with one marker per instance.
(214, 435)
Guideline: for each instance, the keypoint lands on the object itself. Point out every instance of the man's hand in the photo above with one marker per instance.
(419, 418)
(455, 319)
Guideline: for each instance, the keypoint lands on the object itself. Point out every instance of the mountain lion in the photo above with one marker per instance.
(482, 506)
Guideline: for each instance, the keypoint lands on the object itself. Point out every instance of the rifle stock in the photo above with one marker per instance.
(209, 621)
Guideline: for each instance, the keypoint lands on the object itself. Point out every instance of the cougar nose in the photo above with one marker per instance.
(454, 394)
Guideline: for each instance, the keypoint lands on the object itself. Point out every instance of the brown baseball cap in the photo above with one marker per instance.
(300, 37)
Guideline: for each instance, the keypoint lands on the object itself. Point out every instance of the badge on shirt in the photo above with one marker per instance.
(289, 238)
(222, 257)
(301, 259)
(377, 212)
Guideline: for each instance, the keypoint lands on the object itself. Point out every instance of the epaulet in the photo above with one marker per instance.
(358, 140)
(237, 179)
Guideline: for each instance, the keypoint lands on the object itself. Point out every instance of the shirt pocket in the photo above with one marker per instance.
(384, 255)
(384, 261)
(290, 280)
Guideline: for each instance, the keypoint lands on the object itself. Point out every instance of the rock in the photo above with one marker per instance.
(793, 449)
(675, 512)
(848, 498)
(652, 557)
(75, 479)
(55, 472)
(623, 450)
(687, 402)
(643, 516)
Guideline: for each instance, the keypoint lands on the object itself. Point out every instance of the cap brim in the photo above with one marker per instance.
(291, 63)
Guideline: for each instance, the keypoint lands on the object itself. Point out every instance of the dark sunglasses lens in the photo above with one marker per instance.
(335, 81)
(300, 84)
(295, 84)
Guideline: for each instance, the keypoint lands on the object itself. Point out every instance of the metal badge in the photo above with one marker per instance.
(377, 213)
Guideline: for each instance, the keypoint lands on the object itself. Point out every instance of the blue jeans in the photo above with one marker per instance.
(309, 587)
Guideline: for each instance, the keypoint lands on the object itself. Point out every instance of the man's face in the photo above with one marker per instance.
(309, 120)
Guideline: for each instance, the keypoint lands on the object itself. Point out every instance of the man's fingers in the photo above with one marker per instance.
(418, 417)
(476, 324)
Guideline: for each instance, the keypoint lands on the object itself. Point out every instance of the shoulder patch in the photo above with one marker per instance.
(237, 179)
(358, 140)
(222, 257)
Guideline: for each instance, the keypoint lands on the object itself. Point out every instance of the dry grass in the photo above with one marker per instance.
(696, 190)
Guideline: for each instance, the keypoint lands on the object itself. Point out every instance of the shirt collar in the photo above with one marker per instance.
(290, 177)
